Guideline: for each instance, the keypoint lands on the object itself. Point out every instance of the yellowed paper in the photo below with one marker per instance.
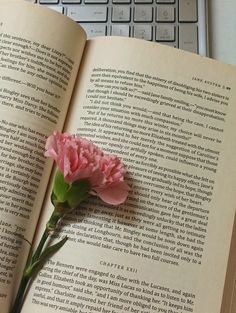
(40, 52)
(170, 116)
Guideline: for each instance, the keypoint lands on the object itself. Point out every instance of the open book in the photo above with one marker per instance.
(170, 116)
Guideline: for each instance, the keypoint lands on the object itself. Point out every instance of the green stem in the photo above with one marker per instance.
(39, 249)
(28, 271)
(20, 295)
(51, 225)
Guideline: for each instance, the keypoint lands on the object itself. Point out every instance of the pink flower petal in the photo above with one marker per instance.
(114, 194)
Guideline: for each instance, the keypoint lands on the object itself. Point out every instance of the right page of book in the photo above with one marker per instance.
(229, 297)
(170, 116)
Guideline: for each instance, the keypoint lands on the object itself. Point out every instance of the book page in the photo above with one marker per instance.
(170, 116)
(40, 52)
(229, 298)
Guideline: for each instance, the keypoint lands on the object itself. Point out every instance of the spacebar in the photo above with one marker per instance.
(95, 13)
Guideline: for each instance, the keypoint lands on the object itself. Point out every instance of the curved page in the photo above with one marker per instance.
(40, 52)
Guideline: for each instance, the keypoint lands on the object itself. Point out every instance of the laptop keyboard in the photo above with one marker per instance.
(178, 23)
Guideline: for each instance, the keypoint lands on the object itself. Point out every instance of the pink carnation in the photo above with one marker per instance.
(78, 158)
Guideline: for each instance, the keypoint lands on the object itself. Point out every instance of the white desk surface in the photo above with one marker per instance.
(222, 30)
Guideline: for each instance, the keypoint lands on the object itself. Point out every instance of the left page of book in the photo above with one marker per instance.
(40, 53)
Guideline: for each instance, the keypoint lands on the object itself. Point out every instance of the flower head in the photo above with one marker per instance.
(79, 159)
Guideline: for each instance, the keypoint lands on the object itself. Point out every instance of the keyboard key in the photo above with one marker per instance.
(93, 13)
(187, 10)
(121, 14)
(70, 1)
(143, 1)
(120, 30)
(165, 13)
(143, 14)
(188, 35)
(165, 33)
(165, 1)
(95, 1)
(56, 8)
(48, 1)
(143, 32)
(94, 30)
(121, 1)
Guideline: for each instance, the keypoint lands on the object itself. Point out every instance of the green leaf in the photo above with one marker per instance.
(52, 249)
(49, 251)
(60, 187)
(78, 192)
